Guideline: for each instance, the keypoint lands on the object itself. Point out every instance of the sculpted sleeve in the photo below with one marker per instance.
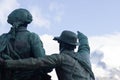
(84, 53)
(84, 46)
(36, 46)
(83, 49)
(35, 63)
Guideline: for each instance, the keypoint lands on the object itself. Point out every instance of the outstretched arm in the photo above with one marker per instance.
(47, 62)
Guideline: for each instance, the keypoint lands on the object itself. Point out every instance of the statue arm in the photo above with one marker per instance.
(83, 49)
(84, 45)
(47, 62)
(37, 46)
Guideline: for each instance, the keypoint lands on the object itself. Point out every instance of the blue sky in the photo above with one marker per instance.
(98, 19)
(93, 17)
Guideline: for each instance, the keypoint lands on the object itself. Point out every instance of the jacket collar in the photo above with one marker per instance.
(22, 29)
(69, 52)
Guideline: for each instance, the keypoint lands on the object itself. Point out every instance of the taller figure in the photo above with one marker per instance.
(19, 43)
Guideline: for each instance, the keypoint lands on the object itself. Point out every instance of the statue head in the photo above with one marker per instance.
(68, 37)
(19, 16)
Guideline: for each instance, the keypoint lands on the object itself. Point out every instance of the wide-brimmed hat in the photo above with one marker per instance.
(68, 37)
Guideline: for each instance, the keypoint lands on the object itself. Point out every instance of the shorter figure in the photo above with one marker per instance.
(20, 43)
(66, 64)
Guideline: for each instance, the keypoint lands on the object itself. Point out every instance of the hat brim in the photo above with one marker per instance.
(58, 39)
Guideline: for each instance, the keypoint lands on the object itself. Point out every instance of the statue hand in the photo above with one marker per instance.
(81, 35)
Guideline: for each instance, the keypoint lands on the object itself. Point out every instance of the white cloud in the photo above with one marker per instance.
(99, 72)
(38, 18)
(51, 47)
(109, 45)
(49, 44)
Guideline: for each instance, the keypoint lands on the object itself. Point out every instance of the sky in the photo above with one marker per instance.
(97, 19)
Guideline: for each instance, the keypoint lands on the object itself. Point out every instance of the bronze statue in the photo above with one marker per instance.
(69, 65)
(19, 43)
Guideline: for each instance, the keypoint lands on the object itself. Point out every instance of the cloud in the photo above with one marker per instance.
(111, 74)
(6, 6)
(49, 44)
(105, 56)
(38, 18)
(44, 18)
(115, 73)
(41, 18)
(96, 58)
(51, 47)
(109, 45)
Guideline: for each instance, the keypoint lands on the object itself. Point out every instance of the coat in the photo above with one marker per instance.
(26, 44)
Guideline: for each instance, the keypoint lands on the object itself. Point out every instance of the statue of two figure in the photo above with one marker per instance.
(22, 56)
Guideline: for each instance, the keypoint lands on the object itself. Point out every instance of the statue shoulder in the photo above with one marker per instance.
(4, 37)
(34, 38)
(33, 35)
